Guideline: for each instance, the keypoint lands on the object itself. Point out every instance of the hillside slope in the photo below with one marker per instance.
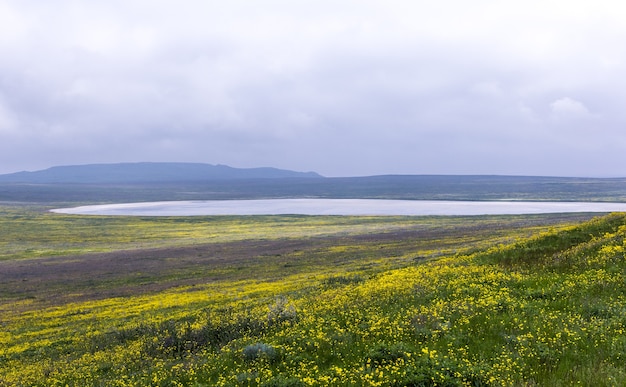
(545, 310)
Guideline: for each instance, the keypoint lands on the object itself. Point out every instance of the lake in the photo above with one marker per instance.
(339, 207)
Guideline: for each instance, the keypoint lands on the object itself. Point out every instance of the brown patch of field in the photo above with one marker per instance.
(126, 272)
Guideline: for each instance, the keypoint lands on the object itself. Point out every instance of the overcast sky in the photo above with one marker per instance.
(339, 87)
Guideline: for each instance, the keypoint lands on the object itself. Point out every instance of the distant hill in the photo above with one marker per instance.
(134, 182)
(147, 173)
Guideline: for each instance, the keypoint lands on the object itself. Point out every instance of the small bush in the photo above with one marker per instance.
(172, 339)
(281, 381)
(428, 373)
(342, 280)
(247, 378)
(281, 311)
(259, 351)
(427, 326)
(385, 354)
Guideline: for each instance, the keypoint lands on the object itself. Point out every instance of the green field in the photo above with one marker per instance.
(311, 300)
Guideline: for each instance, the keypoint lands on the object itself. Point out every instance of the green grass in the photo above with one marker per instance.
(33, 232)
(503, 301)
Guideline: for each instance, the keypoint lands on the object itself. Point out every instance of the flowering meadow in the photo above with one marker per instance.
(520, 305)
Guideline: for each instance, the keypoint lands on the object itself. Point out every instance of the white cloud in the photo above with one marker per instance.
(487, 89)
(568, 108)
(252, 81)
(8, 121)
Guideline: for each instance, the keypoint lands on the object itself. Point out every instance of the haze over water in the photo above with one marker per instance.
(339, 207)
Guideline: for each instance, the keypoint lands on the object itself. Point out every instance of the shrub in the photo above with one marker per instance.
(429, 373)
(172, 339)
(259, 351)
(427, 326)
(342, 280)
(281, 311)
(281, 381)
(385, 354)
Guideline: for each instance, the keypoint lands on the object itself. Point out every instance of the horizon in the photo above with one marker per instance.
(321, 175)
(348, 88)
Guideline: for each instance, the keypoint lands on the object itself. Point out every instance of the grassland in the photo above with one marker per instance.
(296, 300)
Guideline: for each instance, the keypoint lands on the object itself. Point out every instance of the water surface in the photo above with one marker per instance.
(339, 207)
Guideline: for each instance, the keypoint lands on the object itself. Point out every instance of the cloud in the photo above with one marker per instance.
(487, 89)
(8, 122)
(443, 87)
(568, 108)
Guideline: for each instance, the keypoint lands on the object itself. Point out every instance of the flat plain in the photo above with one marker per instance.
(53, 259)
(310, 300)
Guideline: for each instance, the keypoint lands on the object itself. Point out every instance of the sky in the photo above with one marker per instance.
(342, 87)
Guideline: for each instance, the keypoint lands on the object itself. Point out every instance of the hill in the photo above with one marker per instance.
(132, 182)
(147, 173)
